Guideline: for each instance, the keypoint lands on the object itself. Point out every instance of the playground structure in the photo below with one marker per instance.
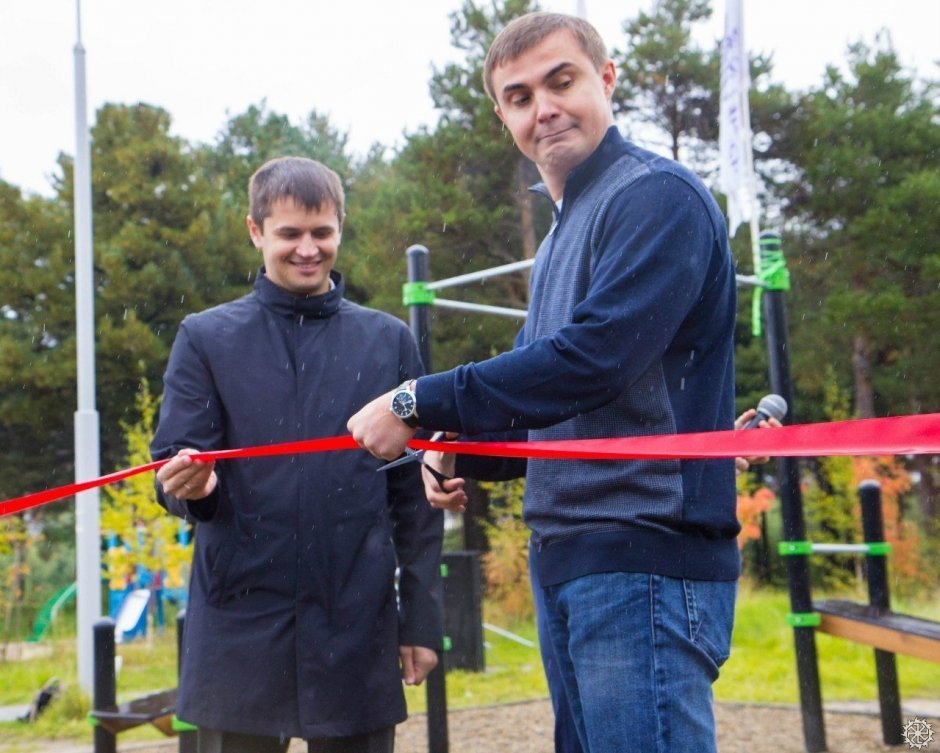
(873, 624)
(48, 612)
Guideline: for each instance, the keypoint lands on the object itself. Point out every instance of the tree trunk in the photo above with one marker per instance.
(864, 393)
(526, 212)
(478, 505)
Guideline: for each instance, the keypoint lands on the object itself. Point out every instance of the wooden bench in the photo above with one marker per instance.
(156, 709)
(883, 629)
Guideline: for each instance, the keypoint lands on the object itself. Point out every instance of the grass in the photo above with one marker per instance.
(762, 669)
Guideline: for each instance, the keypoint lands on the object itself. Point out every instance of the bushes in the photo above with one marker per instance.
(506, 564)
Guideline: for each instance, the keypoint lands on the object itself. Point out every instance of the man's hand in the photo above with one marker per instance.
(416, 663)
(185, 478)
(380, 431)
(742, 464)
(447, 496)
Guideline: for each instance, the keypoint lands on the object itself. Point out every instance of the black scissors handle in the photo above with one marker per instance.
(416, 456)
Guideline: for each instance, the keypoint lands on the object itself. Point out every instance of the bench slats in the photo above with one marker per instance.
(888, 631)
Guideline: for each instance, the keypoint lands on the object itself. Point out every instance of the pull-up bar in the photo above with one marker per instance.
(422, 292)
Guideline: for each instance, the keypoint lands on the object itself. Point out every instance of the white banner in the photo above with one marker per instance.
(734, 123)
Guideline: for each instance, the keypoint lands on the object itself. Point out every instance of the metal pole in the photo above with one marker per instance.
(419, 313)
(419, 321)
(87, 450)
(886, 670)
(104, 693)
(189, 740)
(791, 501)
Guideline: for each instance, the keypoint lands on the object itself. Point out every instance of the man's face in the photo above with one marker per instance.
(556, 105)
(299, 246)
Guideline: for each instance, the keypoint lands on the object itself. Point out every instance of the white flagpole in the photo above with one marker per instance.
(87, 449)
(735, 139)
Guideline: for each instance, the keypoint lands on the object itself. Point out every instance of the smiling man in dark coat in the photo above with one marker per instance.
(294, 626)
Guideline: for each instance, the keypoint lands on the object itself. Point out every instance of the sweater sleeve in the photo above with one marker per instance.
(190, 416)
(650, 265)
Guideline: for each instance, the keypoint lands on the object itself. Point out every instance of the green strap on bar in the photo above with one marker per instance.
(448, 644)
(92, 720)
(879, 548)
(416, 293)
(773, 274)
(795, 548)
(803, 619)
(180, 726)
(773, 266)
(444, 570)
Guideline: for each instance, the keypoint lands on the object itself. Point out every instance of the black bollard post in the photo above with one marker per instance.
(188, 737)
(104, 694)
(879, 600)
(438, 741)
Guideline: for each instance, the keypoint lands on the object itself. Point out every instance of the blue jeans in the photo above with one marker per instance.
(637, 655)
(566, 733)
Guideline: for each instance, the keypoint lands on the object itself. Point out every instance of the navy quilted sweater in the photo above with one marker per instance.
(630, 333)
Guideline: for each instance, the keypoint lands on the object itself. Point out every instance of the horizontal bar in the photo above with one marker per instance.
(753, 280)
(506, 634)
(503, 269)
(480, 307)
(840, 548)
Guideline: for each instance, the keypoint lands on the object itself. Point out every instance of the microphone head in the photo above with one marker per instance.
(772, 406)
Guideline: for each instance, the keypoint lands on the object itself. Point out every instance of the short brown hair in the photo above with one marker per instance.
(523, 33)
(308, 182)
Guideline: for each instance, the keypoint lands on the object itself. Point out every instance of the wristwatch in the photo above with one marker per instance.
(404, 405)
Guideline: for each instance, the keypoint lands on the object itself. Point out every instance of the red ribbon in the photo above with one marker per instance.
(899, 435)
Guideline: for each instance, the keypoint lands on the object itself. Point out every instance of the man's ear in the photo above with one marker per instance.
(609, 76)
(499, 114)
(254, 231)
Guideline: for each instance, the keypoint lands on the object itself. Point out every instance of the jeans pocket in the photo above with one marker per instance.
(711, 616)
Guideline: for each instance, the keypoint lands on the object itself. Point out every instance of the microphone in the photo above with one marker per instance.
(770, 406)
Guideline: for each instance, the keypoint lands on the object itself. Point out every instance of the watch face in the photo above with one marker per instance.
(403, 404)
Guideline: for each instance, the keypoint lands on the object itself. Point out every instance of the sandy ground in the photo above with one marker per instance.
(526, 728)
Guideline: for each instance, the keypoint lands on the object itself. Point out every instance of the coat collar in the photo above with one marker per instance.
(281, 302)
(612, 146)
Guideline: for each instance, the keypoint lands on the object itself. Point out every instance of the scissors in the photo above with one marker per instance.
(416, 456)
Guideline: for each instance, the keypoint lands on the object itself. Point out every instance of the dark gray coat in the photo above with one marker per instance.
(293, 626)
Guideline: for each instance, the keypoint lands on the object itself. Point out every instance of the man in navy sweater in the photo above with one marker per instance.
(629, 333)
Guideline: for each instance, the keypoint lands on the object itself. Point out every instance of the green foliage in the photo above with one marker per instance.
(830, 503)
(866, 146)
(37, 363)
(461, 190)
(137, 531)
(14, 570)
(666, 81)
(506, 564)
